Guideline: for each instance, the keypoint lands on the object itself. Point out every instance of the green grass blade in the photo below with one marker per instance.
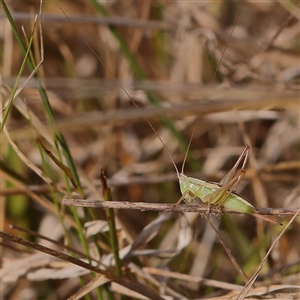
(15, 87)
(45, 100)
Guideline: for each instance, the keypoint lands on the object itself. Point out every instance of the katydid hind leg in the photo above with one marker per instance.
(219, 196)
(231, 180)
(231, 173)
(230, 188)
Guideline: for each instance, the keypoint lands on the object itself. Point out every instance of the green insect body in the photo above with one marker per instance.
(192, 188)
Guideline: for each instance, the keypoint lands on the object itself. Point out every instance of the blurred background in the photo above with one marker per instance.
(223, 74)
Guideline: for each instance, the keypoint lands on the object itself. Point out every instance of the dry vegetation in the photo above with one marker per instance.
(174, 50)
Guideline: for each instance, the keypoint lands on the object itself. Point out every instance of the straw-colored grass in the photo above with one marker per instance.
(120, 89)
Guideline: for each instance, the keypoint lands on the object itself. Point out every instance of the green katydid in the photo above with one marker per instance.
(220, 194)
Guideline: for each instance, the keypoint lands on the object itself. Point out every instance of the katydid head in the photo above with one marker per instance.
(183, 182)
(186, 189)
